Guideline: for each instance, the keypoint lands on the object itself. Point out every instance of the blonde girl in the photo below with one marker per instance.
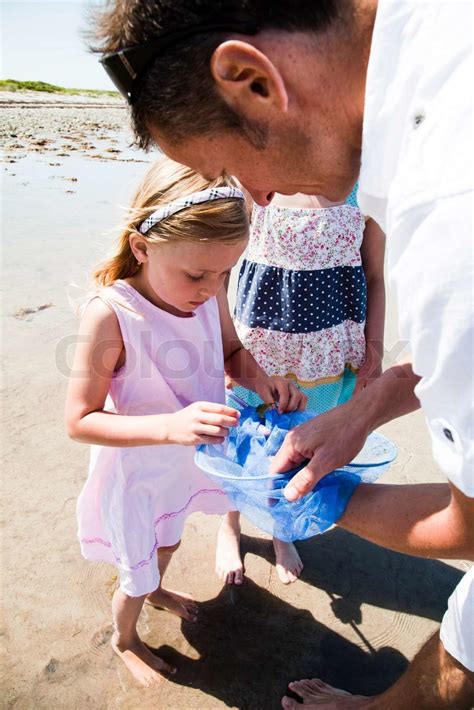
(147, 385)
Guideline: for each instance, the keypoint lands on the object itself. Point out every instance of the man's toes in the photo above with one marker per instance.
(326, 688)
(287, 702)
(303, 687)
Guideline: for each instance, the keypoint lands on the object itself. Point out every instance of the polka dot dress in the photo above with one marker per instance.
(301, 299)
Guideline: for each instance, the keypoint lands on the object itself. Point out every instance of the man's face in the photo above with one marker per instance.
(295, 159)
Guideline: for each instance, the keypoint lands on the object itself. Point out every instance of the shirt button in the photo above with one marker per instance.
(448, 434)
(418, 120)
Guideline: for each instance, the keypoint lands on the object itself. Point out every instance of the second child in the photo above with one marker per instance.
(310, 307)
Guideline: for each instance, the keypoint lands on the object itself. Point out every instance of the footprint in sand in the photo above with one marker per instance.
(23, 313)
(102, 637)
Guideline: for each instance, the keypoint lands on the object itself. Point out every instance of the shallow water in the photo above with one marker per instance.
(55, 219)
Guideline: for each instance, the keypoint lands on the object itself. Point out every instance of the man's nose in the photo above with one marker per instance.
(261, 197)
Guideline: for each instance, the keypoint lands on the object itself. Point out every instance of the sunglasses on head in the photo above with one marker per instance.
(126, 66)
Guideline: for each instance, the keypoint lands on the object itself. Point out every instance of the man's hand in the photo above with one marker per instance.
(330, 441)
(333, 439)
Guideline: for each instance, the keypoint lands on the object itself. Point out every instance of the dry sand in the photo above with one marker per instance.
(355, 618)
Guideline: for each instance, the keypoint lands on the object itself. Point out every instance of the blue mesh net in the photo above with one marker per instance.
(240, 467)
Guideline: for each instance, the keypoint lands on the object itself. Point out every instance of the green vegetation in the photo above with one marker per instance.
(14, 85)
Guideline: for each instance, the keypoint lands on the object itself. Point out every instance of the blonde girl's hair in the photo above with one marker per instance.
(223, 221)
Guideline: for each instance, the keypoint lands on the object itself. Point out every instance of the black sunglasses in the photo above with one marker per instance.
(128, 65)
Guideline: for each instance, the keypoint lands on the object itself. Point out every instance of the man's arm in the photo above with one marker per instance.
(428, 520)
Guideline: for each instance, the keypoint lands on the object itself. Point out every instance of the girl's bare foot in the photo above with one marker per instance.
(288, 562)
(317, 694)
(229, 566)
(177, 603)
(145, 667)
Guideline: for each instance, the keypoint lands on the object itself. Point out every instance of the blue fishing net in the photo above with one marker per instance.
(240, 467)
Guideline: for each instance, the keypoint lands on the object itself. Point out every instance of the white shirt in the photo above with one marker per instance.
(416, 181)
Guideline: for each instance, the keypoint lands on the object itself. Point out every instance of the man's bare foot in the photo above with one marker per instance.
(177, 603)
(288, 562)
(317, 694)
(229, 566)
(145, 667)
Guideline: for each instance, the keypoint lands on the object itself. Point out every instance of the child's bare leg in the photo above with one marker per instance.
(288, 562)
(141, 662)
(178, 603)
(229, 566)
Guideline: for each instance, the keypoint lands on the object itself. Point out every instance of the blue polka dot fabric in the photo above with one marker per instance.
(352, 199)
(299, 301)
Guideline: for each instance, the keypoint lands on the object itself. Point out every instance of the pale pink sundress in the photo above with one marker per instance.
(137, 499)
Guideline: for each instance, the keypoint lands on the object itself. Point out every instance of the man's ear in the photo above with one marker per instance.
(247, 80)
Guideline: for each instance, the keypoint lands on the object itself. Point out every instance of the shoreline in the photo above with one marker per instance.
(32, 97)
(65, 125)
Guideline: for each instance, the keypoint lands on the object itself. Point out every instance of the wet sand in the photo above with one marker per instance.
(355, 618)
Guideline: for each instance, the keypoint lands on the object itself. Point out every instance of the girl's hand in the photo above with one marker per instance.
(283, 391)
(370, 370)
(201, 423)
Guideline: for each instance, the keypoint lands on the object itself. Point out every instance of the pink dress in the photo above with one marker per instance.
(136, 499)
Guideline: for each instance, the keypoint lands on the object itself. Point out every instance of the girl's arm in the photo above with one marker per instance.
(99, 352)
(241, 366)
(372, 253)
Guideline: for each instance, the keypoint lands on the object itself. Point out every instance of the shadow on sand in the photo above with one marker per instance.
(251, 643)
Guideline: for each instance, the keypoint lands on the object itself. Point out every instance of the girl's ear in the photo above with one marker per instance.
(248, 80)
(139, 248)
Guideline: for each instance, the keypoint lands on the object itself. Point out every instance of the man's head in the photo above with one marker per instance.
(279, 109)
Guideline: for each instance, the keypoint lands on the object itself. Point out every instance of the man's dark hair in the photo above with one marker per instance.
(177, 93)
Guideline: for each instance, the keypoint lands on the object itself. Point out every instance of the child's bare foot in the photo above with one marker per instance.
(145, 667)
(288, 562)
(178, 603)
(229, 566)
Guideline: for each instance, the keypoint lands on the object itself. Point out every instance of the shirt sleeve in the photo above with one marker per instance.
(433, 271)
(457, 627)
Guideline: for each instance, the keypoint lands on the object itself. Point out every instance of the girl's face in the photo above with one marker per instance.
(181, 276)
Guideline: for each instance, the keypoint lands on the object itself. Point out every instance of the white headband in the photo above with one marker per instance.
(195, 198)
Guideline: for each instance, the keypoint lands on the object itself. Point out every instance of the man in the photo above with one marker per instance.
(302, 97)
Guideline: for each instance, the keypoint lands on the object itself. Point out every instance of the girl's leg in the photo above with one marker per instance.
(178, 603)
(229, 566)
(141, 662)
(288, 562)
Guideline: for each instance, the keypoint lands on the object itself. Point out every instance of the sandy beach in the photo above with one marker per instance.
(356, 617)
